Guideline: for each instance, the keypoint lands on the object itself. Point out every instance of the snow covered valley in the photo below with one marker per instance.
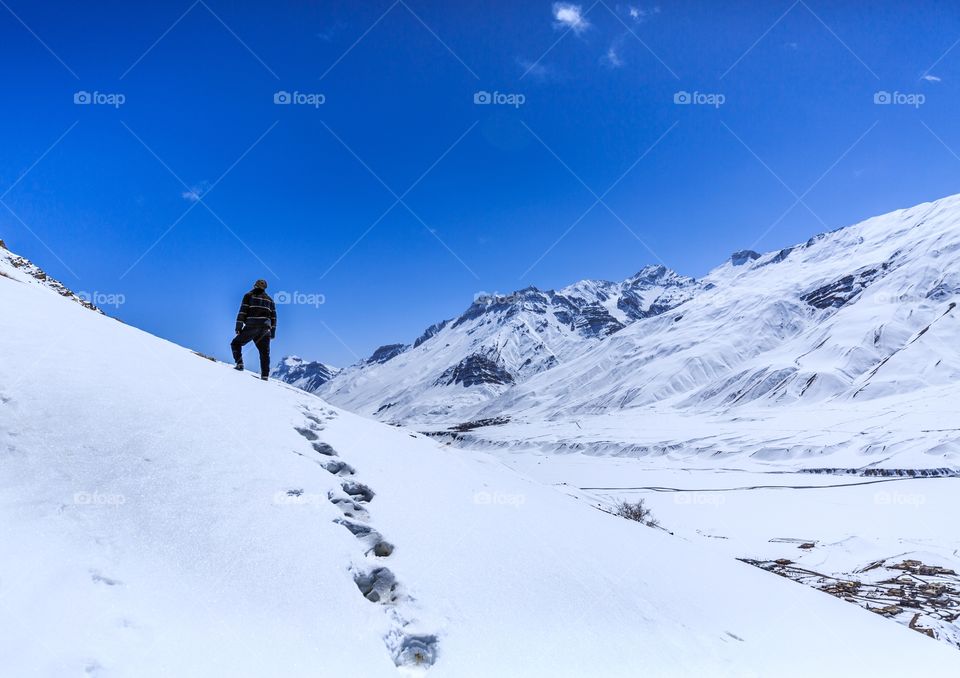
(831, 528)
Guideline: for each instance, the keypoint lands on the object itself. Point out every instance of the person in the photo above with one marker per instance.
(256, 322)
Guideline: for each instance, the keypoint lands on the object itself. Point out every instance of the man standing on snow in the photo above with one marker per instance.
(256, 322)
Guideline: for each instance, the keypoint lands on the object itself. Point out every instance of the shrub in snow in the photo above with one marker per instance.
(636, 511)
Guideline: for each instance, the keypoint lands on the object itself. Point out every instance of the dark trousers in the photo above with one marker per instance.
(260, 336)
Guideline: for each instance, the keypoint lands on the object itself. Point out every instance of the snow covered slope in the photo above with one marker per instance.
(458, 365)
(32, 274)
(164, 515)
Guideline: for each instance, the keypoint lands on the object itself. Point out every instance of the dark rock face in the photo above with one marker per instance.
(307, 375)
(652, 275)
(631, 300)
(385, 353)
(742, 257)
(941, 292)
(583, 309)
(475, 370)
(506, 305)
(595, 321)
(839, 292)
(430, 332)
(781, 255)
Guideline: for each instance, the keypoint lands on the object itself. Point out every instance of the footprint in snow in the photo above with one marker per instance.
(324, 449)
(338, 468)
(358, 491)
(376, 544)
(378, 585)
(307, 433)
(413, 650)
(318, 423)
(349, 507)
(98, 578)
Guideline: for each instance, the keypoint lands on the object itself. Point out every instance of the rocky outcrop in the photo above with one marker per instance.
(475, 370)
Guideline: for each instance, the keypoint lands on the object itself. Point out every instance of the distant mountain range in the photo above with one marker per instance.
(501, 340)
(861, 312)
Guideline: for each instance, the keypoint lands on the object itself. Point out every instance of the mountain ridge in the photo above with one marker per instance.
(713, 342)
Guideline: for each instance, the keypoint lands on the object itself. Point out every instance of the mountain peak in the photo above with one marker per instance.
(308, 375)
(742, 257)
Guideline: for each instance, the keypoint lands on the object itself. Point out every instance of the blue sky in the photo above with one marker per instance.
(388, 194)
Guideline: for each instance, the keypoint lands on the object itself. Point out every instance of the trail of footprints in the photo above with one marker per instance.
(375, 581)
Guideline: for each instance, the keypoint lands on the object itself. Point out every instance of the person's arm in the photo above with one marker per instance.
(273, 319)
(242, 314)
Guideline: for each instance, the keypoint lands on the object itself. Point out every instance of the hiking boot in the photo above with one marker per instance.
(238, 367)
(264, 377)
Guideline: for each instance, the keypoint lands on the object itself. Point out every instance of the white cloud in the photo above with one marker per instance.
(612, 57)
(194, 193)
(930, 78)
(638, 14)
(569, 16)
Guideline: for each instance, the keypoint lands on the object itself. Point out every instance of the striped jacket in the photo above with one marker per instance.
(257, 308)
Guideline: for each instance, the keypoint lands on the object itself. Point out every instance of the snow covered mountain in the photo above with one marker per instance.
(458, 365)
(308, 375)
(859, 313)
(165, 515)
(862, 312)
